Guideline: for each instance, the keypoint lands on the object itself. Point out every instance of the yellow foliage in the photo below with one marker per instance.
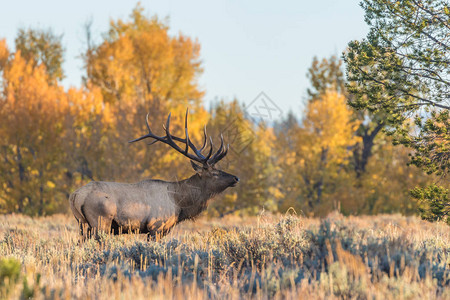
(4, 53)
(55, 139)
(138, 69)
(51, 184)
(312, 155)
(141, 63)
(45, 131)
(329, 129)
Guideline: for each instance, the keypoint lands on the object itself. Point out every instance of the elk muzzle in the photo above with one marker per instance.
(236, 180)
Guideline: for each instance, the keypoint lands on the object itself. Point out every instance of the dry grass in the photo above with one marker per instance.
(383, 257)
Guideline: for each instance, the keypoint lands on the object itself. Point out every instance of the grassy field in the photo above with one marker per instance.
(281, 257)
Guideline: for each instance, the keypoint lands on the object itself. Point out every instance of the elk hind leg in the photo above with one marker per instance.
(84, 231)
(103, 226)
(100, 213)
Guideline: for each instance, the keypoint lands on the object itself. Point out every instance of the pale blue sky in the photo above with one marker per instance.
(247, 46)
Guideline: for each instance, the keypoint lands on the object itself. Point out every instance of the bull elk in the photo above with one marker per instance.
(153, 206)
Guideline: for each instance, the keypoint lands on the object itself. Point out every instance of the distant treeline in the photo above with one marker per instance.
(55, 139)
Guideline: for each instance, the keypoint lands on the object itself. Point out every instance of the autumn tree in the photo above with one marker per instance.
(315, 152)
(42, 47)
(31, 110)
(139, 68)
(385, 186)
(43, 127)
(288, 132)
(138, 61)
(251, 157)
(329, 132)
(55, 139)
(327, 74)
(401, 69)
(373, 179)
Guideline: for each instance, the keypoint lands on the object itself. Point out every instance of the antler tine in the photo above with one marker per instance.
(149, 135)
(186, 131)
(221, 144)
(146, 123)
(151, 143)
(170, 140)
(189, 143)
(222, 155)
(210, 150)
(204, 140)
(168, 124)
(219, 151)
(169, 136)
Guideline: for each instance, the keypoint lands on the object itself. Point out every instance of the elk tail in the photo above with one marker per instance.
(72, 198)
(84, 215)
(78, 211)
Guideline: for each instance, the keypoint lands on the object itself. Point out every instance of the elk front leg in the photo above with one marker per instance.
(101, 226)
(84, 231)
(104, 225)
(159, 228)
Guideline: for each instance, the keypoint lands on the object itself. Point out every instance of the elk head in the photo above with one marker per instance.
(213, 180)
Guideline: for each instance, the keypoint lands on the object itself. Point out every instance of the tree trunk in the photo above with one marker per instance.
(361, 156)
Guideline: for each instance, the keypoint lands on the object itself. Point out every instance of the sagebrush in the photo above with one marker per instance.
(384, 257)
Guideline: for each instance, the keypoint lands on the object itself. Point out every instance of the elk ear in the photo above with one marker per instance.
(196, 167)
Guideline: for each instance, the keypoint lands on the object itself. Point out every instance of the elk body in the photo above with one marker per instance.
(153, 206)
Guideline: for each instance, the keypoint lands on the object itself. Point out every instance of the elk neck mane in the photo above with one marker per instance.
(191, 195)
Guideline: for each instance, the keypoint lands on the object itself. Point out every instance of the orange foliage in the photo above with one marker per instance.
(139, 68)
(56, 139)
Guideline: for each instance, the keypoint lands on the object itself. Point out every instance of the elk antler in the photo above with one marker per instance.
(197, 156)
